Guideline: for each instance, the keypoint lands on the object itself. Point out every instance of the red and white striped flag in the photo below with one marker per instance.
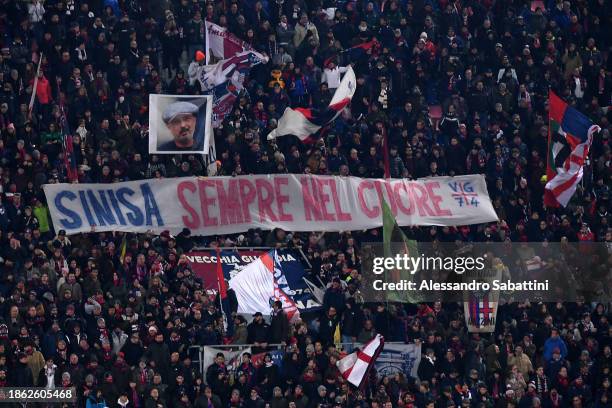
(354, 367)
(303, 122)
(570, 135)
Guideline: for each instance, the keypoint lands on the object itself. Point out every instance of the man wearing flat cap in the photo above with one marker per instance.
(181, 120)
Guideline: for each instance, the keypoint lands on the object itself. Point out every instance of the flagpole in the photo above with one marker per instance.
(386, 154)
(219, 277)
(33, 97)
(123, 249)
(206, 44)
(60, 104)
(384, 204)
(68, 146)
(366, 376)
(548, 164)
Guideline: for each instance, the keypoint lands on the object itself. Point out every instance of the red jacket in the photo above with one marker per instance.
(43, 91)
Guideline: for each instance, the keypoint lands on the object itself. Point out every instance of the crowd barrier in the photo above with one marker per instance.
(196, 353)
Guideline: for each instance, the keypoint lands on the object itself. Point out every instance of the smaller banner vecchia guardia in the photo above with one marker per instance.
(290, 274)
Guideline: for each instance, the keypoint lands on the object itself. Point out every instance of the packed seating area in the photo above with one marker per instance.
(443, 88)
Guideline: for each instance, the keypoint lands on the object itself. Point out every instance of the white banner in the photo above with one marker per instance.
(394, 358)
(293, 202)
(232, 358)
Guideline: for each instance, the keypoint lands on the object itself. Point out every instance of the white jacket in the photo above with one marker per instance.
(333, 76)
(193, 72)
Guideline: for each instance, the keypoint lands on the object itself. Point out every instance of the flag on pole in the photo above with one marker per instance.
(570, 134)
(260, 284)
(355, 366)
(480, 312)
(225, 80)
(480, 306)
(337, 335)
(221, 43)
(220, 277)
(222, 289)
(234, 69)
(303, 122)
(394, 242)
(354, 53)
(68, 147)
(225, 95)
(316, 291)
(123, 249)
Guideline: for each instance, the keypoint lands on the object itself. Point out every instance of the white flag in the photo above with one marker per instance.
(355, 366)
(303, 122)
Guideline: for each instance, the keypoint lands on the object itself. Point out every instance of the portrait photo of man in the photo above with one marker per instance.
(181, 119)
(177, 124)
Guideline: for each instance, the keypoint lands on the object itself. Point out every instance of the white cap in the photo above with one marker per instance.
(178, 108)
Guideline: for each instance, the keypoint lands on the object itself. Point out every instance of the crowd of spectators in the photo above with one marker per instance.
(455, 87)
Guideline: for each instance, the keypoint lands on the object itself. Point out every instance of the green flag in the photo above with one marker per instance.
(394, 242)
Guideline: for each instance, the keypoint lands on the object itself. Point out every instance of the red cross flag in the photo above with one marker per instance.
(355, 366)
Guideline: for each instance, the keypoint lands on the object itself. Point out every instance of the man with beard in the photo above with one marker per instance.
(181, 120)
